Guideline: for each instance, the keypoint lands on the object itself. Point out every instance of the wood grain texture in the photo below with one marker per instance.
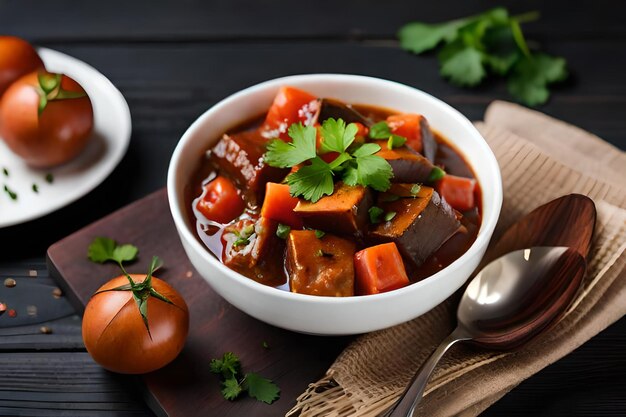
(187, 387)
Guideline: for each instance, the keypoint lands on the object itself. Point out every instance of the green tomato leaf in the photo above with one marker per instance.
(312, 181)
(261, 388)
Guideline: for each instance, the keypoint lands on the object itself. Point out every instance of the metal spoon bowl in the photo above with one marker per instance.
(510, 301)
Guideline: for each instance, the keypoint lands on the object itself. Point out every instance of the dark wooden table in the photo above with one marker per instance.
(174, 60)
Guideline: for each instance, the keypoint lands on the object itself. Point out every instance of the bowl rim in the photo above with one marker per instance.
(185, 231)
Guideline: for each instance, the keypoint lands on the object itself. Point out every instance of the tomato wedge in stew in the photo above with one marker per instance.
(327, 198)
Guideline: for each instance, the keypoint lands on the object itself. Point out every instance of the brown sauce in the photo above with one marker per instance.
(447, 156)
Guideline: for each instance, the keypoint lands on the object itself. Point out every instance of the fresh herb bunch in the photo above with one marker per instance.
(233, 383)
(489, 42)
(104, 249)
(355, 164)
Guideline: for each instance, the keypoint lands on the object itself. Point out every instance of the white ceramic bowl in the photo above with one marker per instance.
(329, 315)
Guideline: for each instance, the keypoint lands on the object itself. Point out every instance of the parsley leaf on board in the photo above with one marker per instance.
(490, 42)
(261, 388)
(229, 367)
(104, 249)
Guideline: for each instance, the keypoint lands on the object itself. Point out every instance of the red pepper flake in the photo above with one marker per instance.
(12, 313)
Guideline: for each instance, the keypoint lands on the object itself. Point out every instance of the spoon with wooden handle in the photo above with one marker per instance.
(508, 302)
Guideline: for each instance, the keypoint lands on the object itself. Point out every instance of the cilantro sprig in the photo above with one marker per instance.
(490, 42)
(355, 164)
(233, 383)
(104, 249)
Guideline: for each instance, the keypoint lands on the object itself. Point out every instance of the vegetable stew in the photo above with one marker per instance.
(327, 198)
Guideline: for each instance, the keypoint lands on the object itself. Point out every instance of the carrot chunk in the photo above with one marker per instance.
(458, 191)
(379, 269)
(279, 204)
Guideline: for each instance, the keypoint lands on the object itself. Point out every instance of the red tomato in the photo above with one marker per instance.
(290, 106)
(17, 58)
(221, 201)
(54, 135)
(457, 191)
(116, 336)
(407, 125)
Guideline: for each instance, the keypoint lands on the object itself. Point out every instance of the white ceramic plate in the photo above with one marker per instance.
(107, 146)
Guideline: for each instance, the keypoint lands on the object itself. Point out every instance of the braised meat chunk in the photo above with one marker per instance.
(419, 226)
(240, 156)
(320, 266)
(407, 165)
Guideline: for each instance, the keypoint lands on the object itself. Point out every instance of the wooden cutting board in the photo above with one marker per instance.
(186, 387)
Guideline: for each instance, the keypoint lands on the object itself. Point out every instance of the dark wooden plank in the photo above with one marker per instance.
(64, 384)
(186, 386)
(236, 19)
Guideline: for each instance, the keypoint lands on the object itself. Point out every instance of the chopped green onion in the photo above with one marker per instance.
(375, 214)
(389, 215)
(436, 174)
(319, 233)
(395, 141)
(283, 231)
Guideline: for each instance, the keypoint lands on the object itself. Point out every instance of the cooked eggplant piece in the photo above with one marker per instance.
(342, 212)
(429, 144)
(240, 156)
(420, 225)
(408, 166)
(252, 248)
(337, 110)
(320, 266)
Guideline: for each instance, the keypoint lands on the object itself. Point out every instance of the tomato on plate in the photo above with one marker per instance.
(46, 118)
(17, 58)
(116, 336)
(221, 201)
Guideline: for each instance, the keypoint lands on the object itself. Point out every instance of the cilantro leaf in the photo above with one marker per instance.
(101, 249)
(104, 249)
(491, 41)
(380, 130)
(288, 154)
(125, 253)
(371, 171)
(464, 67)
(337, 136)
(366, 149)
(231, 389)
(229, 366)
(312, 181)
(531, 76)
(261, 388)
(418, 37)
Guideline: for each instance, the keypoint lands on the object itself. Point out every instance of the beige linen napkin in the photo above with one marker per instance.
(541, 159)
